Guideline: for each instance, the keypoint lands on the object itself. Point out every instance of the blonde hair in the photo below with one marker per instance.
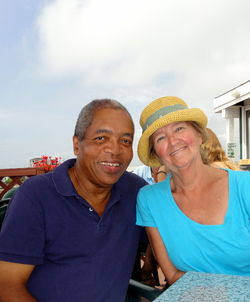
(212, 151)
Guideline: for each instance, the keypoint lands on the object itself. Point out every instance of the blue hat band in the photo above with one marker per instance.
(160, 113)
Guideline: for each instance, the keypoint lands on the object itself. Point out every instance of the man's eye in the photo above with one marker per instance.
(100, 138)
(127, 141)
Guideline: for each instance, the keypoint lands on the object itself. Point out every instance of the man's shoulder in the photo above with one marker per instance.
(54, 176)
(37, 183)
(57, 181)
(130, 179)
(133, 176)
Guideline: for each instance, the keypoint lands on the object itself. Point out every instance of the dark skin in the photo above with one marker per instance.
(13, 279)
(102, 157)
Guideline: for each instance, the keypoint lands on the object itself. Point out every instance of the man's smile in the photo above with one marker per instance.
(110, 164)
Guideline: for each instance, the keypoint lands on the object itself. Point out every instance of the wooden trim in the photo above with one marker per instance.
(21, 172)
(16, 176)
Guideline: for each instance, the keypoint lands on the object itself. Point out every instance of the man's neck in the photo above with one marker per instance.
(96, 196)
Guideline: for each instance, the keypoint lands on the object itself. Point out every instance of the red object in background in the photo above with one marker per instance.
(47, 163)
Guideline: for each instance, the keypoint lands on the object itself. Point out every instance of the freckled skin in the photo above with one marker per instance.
(177, 144)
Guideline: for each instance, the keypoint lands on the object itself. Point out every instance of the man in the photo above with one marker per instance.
(70, 235)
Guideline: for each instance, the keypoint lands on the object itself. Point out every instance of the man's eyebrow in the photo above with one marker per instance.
(102, 131)
(128, 134)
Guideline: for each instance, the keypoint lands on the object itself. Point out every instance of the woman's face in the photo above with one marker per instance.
(177, 145)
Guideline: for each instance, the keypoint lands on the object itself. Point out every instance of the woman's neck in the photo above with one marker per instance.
(191, 178)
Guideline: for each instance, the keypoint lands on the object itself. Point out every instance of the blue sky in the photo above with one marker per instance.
(57, 55)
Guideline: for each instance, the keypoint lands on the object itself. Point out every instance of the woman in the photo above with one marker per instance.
(213, 154)
(198, 219)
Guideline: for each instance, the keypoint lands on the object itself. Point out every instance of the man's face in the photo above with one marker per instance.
(106, 150)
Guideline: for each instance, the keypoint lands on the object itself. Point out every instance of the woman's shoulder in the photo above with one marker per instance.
(226, 165)
(155, 188)
(239, 180)
(240, 174)
(219, 164)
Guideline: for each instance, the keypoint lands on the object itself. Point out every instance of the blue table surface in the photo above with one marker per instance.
(203, 287)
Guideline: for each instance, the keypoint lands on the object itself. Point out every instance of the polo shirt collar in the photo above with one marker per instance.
(65, 187)
(62, 180)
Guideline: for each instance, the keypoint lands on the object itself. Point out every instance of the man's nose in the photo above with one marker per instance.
(113, 146)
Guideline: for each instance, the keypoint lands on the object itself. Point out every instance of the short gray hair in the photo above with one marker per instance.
(86, 115)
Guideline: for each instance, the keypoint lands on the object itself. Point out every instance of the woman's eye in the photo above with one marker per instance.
(179, 129)
(158, 139)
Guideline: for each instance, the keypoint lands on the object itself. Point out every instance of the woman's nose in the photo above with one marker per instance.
(171, 139)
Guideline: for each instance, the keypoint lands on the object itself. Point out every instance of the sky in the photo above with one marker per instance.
(58, 55)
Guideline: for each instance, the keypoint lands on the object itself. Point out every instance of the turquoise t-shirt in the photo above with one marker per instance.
(191, 246)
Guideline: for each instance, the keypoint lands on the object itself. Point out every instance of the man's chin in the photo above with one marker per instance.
(110, 180)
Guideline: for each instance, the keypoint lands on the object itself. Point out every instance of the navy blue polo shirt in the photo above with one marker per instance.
(78, 255)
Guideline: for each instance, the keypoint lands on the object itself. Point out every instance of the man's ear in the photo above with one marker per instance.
(76, 145)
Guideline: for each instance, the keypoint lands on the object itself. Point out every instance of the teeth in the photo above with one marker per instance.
(110, 164)
(172, 153)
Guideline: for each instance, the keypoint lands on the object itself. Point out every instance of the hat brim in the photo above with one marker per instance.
(186, 115)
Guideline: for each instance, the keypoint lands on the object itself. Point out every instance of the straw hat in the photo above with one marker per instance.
(162, 112)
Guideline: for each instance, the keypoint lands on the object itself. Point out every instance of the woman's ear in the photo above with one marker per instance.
(154, 155)
(201, 137)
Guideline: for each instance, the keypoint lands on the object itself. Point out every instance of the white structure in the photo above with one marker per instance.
(234, 105)
(33, 160)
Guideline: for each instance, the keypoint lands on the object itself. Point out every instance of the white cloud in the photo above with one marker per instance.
(129, 43)
(133, 51)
